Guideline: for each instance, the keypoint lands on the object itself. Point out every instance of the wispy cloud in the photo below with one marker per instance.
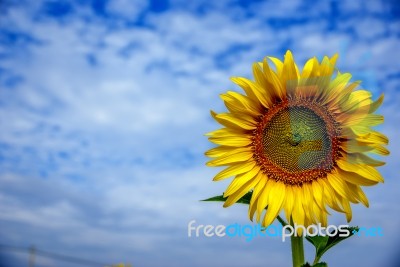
(103, 107)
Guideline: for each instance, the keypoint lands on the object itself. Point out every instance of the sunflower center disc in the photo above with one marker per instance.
(296, 142)
(296, 139)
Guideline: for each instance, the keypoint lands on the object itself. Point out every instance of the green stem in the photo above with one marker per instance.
(317, 258)
(297, 250)
(282, 221)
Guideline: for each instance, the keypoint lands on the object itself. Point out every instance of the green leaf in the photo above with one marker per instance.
(323, 243)
(243, 200)
(216, 198)
(319, 242)
(320, 264)
(334, 240)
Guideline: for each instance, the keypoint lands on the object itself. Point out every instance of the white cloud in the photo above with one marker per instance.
(128, 9)
(120, 138)
(370, 29)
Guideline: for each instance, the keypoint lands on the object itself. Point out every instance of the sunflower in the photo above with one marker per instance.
(301, 141)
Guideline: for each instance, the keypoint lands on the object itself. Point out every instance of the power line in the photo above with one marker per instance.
(34, 251)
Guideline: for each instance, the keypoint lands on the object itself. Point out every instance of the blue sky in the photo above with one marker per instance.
(104, 106)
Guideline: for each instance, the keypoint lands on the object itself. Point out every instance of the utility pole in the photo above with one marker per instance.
(32, 256)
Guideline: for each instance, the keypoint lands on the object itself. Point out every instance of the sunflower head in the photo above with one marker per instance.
(300, 140)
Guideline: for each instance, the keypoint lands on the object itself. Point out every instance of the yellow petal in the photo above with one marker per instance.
(359, 129)
(359, 194)
(226, 132)
(375, 105)
(337, 99)
(258, 189)
(231, 141)
(330, 195)
(241, 191)
(237, 108)
(245, 122)
(347, 208)
(257, 91)
(226, 123)
(235, 170)
(363, 104)
(243, 83)
(328, 65)
(262, 200)
(229, 158)
(338, 91)
(310, 69)
(340, 186)
(355, 178)
(353, 146)
(324, 218)
(306, 196)
(243, 101)
(333, 59)
(360, 95)
(373, 137)
(218, 151)
(380, 150)
(290, 73)
(365, 171)
(278, 65)
(308, 202)
(360, 118)
(360, 158)
(289, 202)
(277, 90)
(240, 180)
(298, 210)
(318, 192)
(275, 201)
